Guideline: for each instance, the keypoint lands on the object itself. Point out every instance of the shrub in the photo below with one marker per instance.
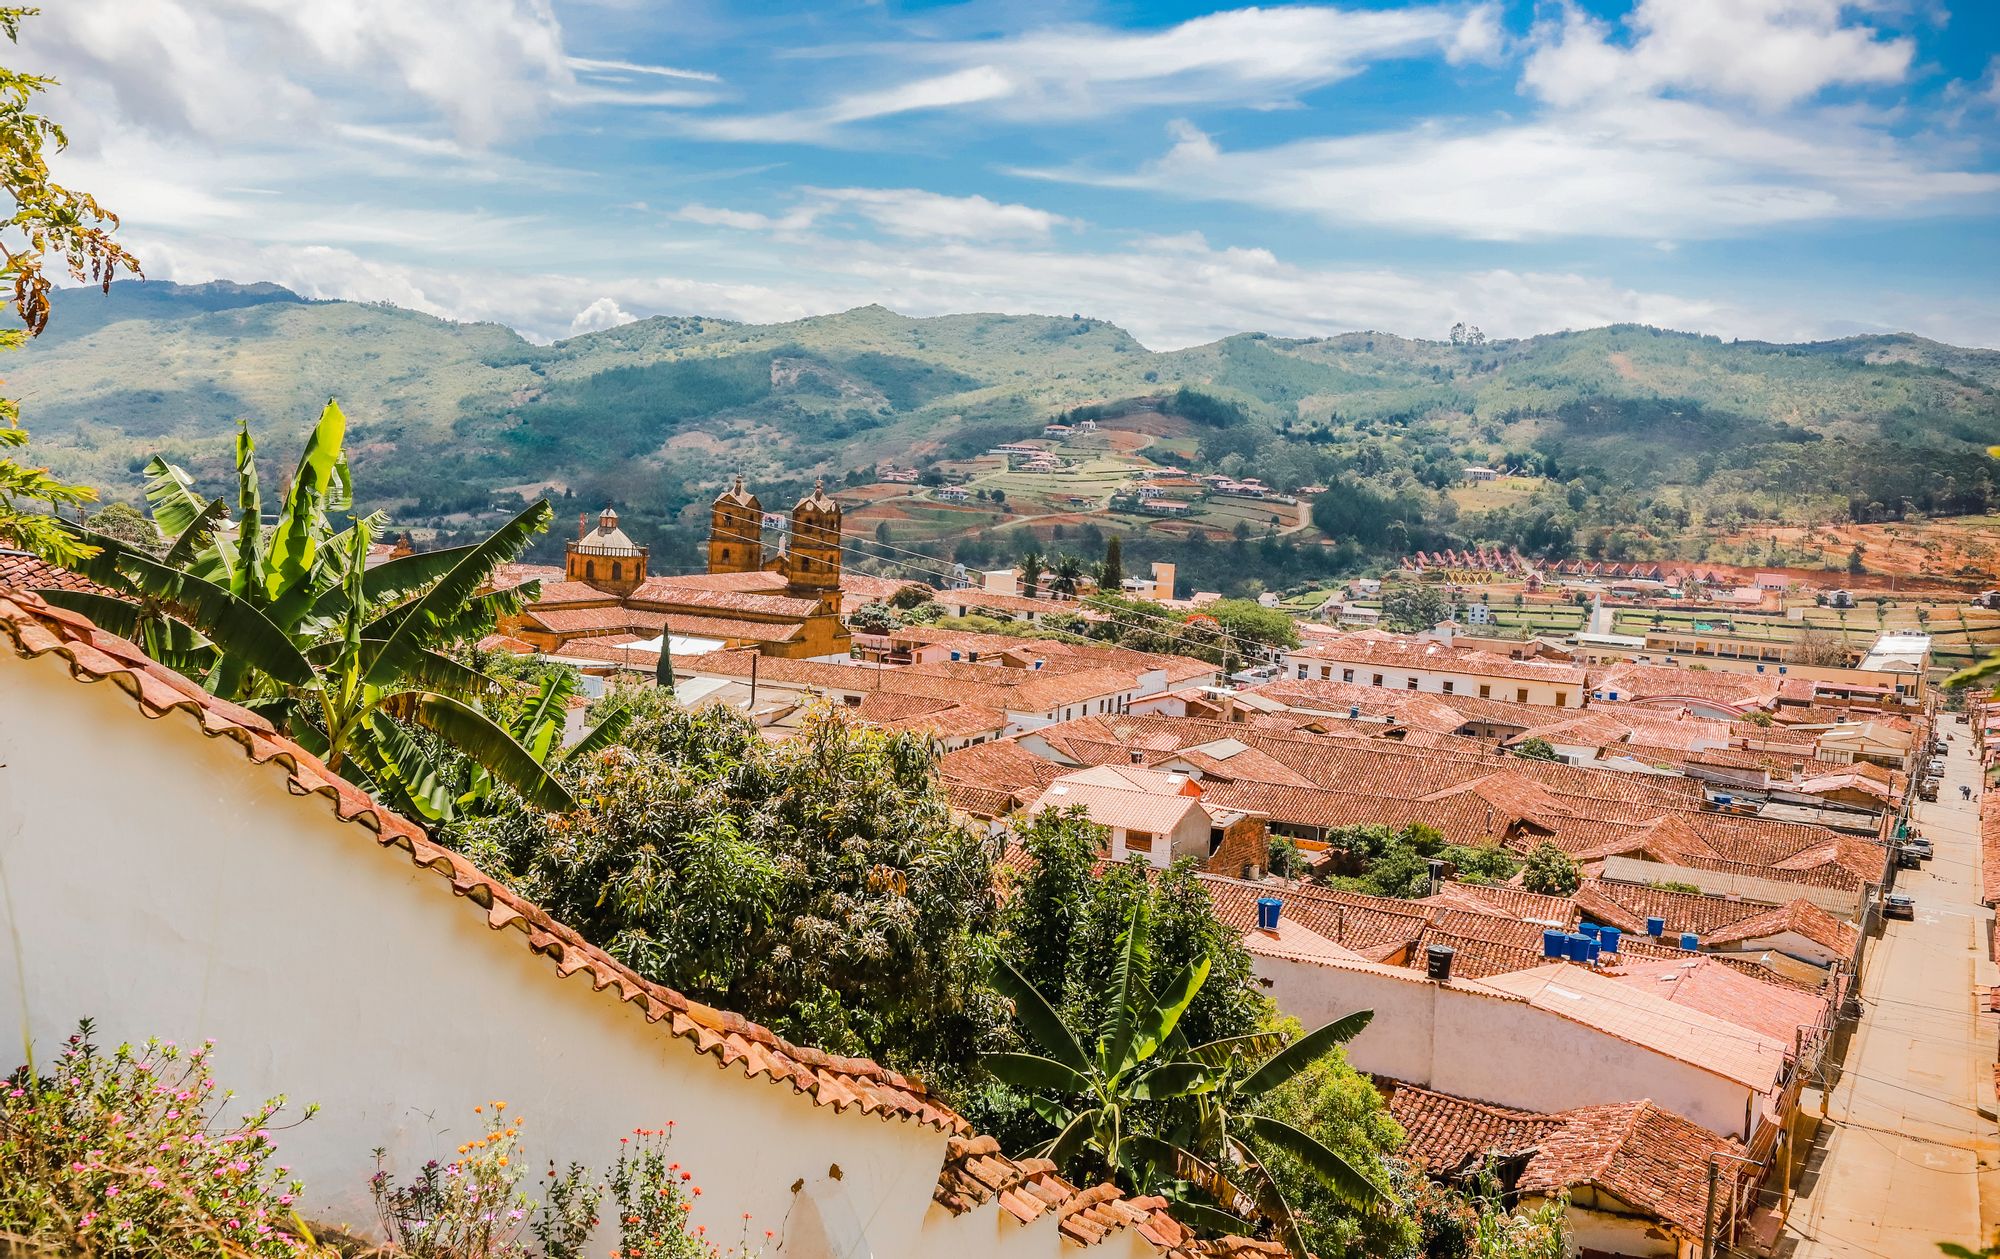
(1549, 870)
(126, 1154)
(654, 1198)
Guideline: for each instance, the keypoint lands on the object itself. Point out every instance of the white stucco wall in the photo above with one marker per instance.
(1496, 1050)
(1308, 664)
(157, 881)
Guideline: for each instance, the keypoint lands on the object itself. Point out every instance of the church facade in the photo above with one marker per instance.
(605, 604)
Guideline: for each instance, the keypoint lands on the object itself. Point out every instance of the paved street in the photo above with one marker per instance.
(1902, 1160)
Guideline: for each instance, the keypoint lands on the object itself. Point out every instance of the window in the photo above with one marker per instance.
(1139, 841)
(1302, 673)
(1325, 672)
(1215, 836)
(1485, 691)
(1411, 684)
(852, 701)
(1562, 699)
(617, 571)
(1347, 675)
(1448, 685)
(1521, 695)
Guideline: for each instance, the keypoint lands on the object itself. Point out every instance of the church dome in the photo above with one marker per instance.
(607, 538)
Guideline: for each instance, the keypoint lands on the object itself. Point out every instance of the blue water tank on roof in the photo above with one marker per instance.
(1555, 943)
(1589, 929)
(1269, 909)
(1656, 927)
(1690, 941)
(1607, 939)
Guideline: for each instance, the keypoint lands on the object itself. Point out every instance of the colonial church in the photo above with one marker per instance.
(605, 605)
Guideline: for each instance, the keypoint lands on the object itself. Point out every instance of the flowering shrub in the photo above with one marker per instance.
(126, 1155)
(654, 1198)
(473, 1208)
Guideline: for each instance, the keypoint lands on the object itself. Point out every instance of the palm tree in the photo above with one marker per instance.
(289, 621)
(1135, 1098)
(1066, 576)
(1031, 572)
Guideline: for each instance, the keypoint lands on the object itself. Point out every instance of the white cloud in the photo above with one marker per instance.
(1251, 56)
(596, 317)
(1647, 170)
(1771, 52)
(226, 70)
(904, 212)
(615, 69)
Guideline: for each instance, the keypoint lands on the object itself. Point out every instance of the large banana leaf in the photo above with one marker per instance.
(604, 732)
(1349, 1182)
(1129, 982)
(234, 625)
(302, 517)
(404, 774)
(475, 734)
(439, 606)
(1032, 1071)
(173, 643)
(1302, 1053)
(1040, 1018)
(1174, 1079)
(171, 495)
(197, 537)
(394, 580)
(1156, 1025)
(248, 578)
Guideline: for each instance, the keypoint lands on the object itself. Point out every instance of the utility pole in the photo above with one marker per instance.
(1708, 1214)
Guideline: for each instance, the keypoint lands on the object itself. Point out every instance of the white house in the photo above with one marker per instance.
(174, 869)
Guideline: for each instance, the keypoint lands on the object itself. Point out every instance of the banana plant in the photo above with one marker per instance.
(1199, 1126)
(538, 727)
(289, 621)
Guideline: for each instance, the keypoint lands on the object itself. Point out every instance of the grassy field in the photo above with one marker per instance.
(1487, 495)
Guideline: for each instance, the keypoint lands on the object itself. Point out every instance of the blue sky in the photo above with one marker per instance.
(1785, 169)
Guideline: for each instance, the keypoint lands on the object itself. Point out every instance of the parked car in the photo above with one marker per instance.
(1899, 906)
(1922, 845)
(1936, 768)
(1908, 858)
(1927, 790)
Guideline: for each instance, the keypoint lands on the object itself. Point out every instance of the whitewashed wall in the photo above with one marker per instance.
(157, 881)
(1493, 1049)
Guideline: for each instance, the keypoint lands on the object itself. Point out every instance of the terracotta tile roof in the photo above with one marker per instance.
(560, 593)
(1704, 983)
(1626, 906)
(939, 718)
(18, 568)
(672, 587)
(1505, 902)
(1633, 680)
(680, 598)
(975, 1173)
(1640, 1153)
(1376, 650)
(508, 576)
(1799, 916)
(1989, 847)
(34, 629)
(1474, 958)
(1443, 1133)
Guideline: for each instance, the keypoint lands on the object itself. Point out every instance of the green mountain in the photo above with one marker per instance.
(1618, 422)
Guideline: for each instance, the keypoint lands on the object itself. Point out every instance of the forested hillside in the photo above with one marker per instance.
(1631, 440)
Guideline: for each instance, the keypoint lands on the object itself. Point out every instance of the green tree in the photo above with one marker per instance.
(1065, 576)
(1550, 871)
(874, 618)
(127, 524)
(1032, 567)
(1536, 749)
(1111, 573)
(1410, 607)
(820, 886)
(1143, 1104)
(51, 227)
(290, 621)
